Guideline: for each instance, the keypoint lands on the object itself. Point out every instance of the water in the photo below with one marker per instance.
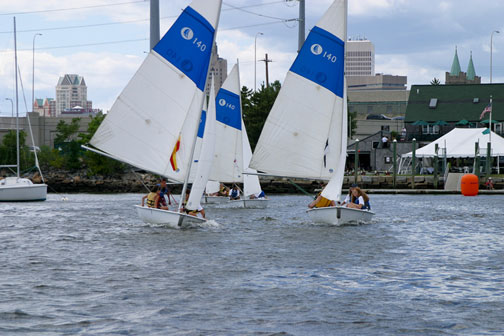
(426, 265)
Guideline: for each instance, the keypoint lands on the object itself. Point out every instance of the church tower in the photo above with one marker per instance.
(456, 76)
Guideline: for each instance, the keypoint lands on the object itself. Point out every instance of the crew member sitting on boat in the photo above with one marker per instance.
(165, 190)
(194, 213)
(234, 194)
(357, 199)
(151, 197)
(321, 202)
(259, 195)
(223, 191)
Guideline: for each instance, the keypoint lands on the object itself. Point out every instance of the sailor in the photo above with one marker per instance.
(234, 194)
(358, 199)
(165, 190)
(259, 195)
(151, 197)
(199, 211)
(321, 202)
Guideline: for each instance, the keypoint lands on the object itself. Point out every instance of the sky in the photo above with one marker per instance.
(105, 41)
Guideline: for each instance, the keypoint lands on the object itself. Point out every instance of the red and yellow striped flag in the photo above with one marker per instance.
(173, 159)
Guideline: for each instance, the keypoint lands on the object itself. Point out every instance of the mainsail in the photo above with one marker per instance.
(205, 157)
(251, 183)
(153, 122)
(305, 134)
(228, 158)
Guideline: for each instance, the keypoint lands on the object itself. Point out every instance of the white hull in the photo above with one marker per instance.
(21, 190)
(167, 217)
(250, 203)
(215, 199)
(339, 215)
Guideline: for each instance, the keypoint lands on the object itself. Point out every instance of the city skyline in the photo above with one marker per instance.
(106, 42)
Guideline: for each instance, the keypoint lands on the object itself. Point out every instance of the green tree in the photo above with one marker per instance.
(435, 81)
(8, 150)
(65, 132)
(256, 108)
(67, 145)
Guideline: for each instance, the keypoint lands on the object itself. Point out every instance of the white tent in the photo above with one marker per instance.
(459, 143)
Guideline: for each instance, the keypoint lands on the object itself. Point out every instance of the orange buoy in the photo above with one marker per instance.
(469, 185)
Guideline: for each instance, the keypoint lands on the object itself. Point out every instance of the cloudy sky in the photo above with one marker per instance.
(105, 41)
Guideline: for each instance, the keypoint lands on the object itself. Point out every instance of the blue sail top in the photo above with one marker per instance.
(321, 60)
(228, 108)
(188, 45)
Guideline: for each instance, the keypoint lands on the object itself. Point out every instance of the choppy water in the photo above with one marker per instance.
(427, 265)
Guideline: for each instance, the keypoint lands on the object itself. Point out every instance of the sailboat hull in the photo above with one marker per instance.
(14, 189)
(250, 203)
(215, 199)
(167, 217)
(339, 215)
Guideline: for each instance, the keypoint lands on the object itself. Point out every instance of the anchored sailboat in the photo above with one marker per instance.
(153, 123)
(17, 189)
(305, 134)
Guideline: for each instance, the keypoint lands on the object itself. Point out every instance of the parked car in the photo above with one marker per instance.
(398, 118)
(377, 117)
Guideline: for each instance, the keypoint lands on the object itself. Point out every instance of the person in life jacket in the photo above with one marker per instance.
(195, 212)
(165, 190)
(357, 199)
(151, 197)
(234, 194)
(260, 195)
(321, 202)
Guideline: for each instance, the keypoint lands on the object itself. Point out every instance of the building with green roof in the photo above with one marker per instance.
(444, 107)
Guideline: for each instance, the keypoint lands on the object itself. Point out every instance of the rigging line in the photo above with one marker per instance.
(250, 12)
(256, 5)
(80, 45)
(259, 24)
(300, 188)
(73, 8)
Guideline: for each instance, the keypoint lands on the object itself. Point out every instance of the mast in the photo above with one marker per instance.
(195, 135)
(17, 102)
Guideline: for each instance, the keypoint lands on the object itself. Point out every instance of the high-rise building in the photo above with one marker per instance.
(71, 91)
(359, 58)
(217, 71)
(45, 107)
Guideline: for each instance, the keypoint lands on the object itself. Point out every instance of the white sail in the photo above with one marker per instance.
(160, 108)
(228, 158)
(205, 157)
(212, 187)
(199, 141)
(304, 133)
(251, 183)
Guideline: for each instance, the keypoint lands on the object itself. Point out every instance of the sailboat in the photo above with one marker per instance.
(153, 123)
(17, 189)
(232, 147)
(305, 134)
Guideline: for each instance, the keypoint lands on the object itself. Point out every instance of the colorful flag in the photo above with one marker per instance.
(487, 109)
(173, 159)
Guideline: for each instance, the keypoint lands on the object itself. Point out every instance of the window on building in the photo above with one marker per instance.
(433, 103)
(370, 109)
(389, 108)
(385, 128)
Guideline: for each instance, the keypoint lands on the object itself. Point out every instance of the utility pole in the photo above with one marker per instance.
(266, 61)
(301, 24)
(154, 23)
